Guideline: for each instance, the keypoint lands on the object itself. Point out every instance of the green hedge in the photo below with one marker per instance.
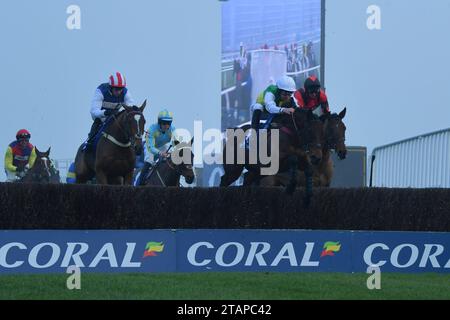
(35, 206)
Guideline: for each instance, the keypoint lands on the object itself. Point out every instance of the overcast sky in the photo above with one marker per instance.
(169, 51)
(394, 81)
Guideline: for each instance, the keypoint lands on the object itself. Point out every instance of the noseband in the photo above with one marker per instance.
(129, 137)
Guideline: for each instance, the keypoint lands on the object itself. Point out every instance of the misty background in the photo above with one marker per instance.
(394, 81)
(169, 52)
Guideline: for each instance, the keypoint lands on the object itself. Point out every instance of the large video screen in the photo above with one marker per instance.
(261, 41)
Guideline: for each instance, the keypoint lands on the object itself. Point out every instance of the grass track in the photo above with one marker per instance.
(217, 286)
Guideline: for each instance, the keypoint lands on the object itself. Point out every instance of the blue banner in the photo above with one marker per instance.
(53, 251)
(263, 250)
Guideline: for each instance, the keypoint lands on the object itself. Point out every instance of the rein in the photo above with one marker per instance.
(131, 142)
(288, 131)
(171, 166)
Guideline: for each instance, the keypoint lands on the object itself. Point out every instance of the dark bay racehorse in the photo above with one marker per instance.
(334, 139)
(300, 136)
(43, 170)
(115, 155)
(167, 172)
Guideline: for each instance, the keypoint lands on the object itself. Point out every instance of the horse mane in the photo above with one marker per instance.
(333, 116)
(124, 110)
(182, 145)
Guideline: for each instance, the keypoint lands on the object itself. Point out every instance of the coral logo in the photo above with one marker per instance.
(329, 248)
(152, 247)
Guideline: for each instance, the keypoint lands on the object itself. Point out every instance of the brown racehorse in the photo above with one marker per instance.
(115, 155)
(334, 140)
(43, 170)
(167, 173)
(334, 137)
(300, 136)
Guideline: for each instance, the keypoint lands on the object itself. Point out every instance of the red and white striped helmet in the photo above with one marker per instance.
(117, 80)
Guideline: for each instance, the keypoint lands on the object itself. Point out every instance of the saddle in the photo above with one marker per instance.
(97, 136)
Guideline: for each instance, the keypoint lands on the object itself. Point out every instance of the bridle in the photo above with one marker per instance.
(178, 169)
(331, 140)
(41, 175)
(305, 134)
(129, 137)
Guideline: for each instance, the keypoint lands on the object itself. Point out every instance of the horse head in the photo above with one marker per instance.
(42, 169)
(182, 157)
(132, 123)
(335, 133)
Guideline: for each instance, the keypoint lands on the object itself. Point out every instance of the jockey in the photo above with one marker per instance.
(312, 97)
(156, 141)
(106, 99)
(19, 156)
(272, 98)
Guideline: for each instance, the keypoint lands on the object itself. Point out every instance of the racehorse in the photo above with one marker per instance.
(114, 158)
(300, 136)
(167, 172)
(43, 170)
(334, 139)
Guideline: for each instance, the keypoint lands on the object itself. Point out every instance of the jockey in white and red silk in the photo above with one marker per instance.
(106, 99)
(19, 156)
(312, 97)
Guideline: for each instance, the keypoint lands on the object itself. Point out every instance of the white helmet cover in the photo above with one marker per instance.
(286, 83)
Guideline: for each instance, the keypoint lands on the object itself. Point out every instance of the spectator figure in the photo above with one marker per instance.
(311, 55)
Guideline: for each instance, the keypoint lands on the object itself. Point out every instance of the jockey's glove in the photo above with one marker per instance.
(109, 112)
(21, 174)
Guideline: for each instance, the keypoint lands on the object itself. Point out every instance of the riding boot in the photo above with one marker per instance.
(256, 117)
(144, 172)
(94, 129)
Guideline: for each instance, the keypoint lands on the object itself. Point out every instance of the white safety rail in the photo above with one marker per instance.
(418, 162)
(226, 91)
(303, 71)
(228, 59)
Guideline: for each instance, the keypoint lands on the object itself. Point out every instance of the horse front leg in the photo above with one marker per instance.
(101, 177)
(232, 173)
(128, 180)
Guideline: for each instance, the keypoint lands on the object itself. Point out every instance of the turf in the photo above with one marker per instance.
(224, 286)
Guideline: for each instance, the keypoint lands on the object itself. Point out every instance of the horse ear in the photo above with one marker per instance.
(37, 151)
(175, 142)
(192, 141)
(342, 113)
(143, 106)
(48, 151)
